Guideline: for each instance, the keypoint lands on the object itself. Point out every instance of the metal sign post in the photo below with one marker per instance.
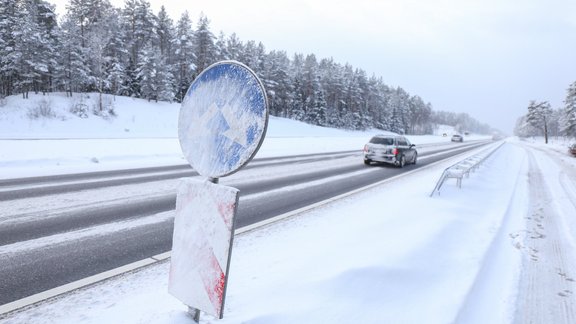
(222, 124)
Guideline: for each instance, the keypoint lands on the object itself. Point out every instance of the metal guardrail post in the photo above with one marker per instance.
(465, 166)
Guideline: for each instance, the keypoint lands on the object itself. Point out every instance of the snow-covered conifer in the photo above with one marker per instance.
(203, 45)
(570, 111)
(184, 55)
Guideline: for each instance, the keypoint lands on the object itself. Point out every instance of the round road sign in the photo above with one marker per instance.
(223, 119)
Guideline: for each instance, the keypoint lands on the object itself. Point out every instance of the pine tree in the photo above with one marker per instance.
(376, 102)
(221, 49)
(317, 112)
(166, 38)
(156, 80)
(166, 90)
(165, 34)
(396, 118)
(83, 13)
(365, 118)
(35, 46)
(132, 81)
(73, 58)
(297, 108)
(141, 25)
(117, 55)
(278, 83)
(254, 56)
(203, 45)
(417, 115)
(98, 42)
(49, 51)
(130, 25)
(91, 21)
(403, 110)
(570, 111)
(116, 77)
(147, 72)
(234, 48)
(297, 105)
(310, 78)
(184, 56)
(9, 21)
(353, 99)
(331, 82)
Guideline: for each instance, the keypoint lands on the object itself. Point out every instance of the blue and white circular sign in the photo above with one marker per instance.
(223, 119)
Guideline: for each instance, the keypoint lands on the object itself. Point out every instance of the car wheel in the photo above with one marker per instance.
(367, 162)
(415, 158)
(402, 161)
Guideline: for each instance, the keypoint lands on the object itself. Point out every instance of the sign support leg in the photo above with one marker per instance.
(195, 313)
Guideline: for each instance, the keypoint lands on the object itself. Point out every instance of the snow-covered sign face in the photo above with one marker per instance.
(223, 119)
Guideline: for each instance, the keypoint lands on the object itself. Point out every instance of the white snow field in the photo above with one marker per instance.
(498, 250)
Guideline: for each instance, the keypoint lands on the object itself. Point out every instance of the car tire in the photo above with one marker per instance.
(367, 162)
(415, 158)
(402, 162)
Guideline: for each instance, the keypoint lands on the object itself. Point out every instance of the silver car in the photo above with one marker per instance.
(391, 149)
(457, 138)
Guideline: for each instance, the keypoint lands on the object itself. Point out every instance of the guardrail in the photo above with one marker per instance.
(463, 168)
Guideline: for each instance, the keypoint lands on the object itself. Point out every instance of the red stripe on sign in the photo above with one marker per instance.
(214, 279)
(227, 213)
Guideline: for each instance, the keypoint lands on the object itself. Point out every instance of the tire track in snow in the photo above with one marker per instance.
(547, 288)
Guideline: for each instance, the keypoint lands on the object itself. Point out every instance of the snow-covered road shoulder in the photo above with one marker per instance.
(548, 281)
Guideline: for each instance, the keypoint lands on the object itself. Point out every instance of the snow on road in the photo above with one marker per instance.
(499, 250)
(389, 255)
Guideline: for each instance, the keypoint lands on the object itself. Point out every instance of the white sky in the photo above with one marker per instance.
(488, 58)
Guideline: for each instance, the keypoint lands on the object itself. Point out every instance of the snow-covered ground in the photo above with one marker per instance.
(390, 254)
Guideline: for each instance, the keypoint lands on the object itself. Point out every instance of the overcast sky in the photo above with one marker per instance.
(488, 58)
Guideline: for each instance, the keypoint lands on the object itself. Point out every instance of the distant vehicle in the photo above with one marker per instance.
(572, 149)
(444, 135)
(391, 149)
(457, 138)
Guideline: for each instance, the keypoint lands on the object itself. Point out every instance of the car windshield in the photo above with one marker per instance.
(382, 140)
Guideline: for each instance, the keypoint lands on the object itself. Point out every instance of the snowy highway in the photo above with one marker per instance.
(497, 250)
(55, 230)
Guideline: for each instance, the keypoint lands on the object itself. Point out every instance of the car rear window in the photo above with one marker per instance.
(382, 140)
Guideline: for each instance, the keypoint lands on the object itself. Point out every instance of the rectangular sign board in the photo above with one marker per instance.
(202, 244)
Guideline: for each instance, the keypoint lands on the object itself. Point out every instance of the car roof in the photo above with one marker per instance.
(387, 136)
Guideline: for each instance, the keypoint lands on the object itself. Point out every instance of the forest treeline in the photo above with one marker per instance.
(130, 51)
